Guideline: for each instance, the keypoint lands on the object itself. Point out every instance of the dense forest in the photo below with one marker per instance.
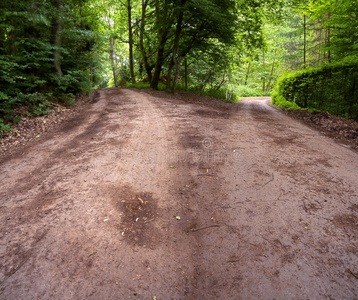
(303, 52)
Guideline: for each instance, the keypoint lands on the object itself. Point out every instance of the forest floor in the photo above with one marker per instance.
(145, 195)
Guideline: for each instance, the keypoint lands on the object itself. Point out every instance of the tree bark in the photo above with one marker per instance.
(160, 57)
(272, 69)
(263, 77)
(186, 74)
(206, 81)
(221, 83)
(304, 41)
(147, 67)
(177, 65)
(130, 34)
(159, 60)
(57, 26)
(163, 36)
(140, 70)
(111, 42)
(329, 42)
(169, 75)
(176, 61)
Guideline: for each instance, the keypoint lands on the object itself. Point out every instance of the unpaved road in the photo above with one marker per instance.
(147, 195)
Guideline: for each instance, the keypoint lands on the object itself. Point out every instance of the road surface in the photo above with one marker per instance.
(145, 195)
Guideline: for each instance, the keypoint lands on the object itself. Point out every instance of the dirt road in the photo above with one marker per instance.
(150, 196)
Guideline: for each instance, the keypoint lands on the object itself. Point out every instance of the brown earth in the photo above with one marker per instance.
(30, 128)
(149, 196)
(341, 129)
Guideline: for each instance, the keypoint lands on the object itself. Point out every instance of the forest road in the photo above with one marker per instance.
(146, 195)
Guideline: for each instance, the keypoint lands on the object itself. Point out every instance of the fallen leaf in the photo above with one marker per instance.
(38, 136)
(172, 167)
(137, 277)
(92, 253)
(350, 233)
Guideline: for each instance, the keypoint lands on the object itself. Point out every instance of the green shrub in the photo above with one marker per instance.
(218, 94)
(247, 91)
(280, 101)
(144, 85)
(4, 127)
(332, 87)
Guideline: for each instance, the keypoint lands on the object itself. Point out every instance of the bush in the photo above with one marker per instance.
(4, 127)
(143, 85)
(218, 94)
(246, 91)
(332, 87)
(280, 101)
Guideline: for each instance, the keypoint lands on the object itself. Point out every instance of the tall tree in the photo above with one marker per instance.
(130, 37)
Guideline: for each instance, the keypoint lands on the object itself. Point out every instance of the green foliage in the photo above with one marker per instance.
(247, 91)
(219, 94)
(142, 85)
(215, 93)
(280, 101)
(4, 127)
(30, 39)
(52, 50)
(340, 20)
(331, 87)
(40, 109)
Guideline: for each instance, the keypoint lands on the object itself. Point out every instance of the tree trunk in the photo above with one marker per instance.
(147, 67)
(161, 44)
(169, 75)
(91, 74)
(328, 43)
(186, 74)
(159, 61)
(177, 65)
(57, 26)
(221, 83)
(130, 34)
(176, 61)
(13, 38)
(247, 73)
(140, 70)
(263, 77)
(206, 81)
(304, 41)
(272, 69)
(111, 41)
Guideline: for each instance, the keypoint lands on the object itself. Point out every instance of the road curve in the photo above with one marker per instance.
(146, 195)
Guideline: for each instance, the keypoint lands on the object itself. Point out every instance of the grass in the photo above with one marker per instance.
(247, 91)
(143, 85)
(219, 94)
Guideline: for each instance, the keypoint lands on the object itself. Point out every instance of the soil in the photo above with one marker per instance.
(145, 195)
(30, 127)
(338, 128)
